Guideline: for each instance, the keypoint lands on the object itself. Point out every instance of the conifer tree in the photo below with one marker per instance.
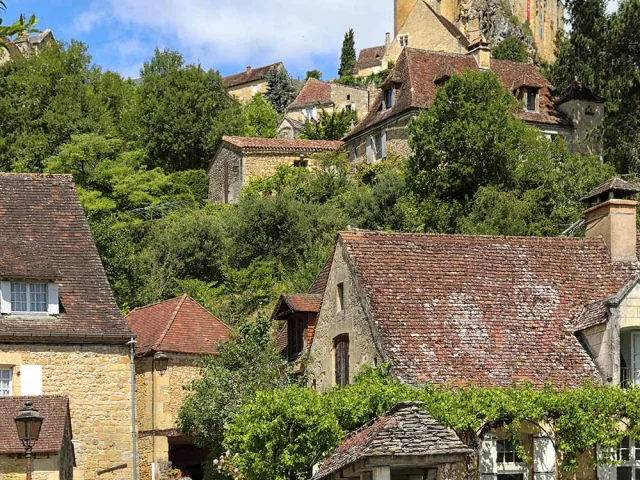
(348, 56)
(280, 90)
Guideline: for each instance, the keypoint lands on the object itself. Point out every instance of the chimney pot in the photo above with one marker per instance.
(387, 40)
(249, 69)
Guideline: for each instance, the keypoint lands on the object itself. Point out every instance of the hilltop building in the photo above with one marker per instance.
(490, 311)
(412, 84)
(184, 333)
(245, 85)
(27, 45)
(61, 332)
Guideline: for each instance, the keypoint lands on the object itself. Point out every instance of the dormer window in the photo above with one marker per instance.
(404, 40)
(530, 99)
(388, 98)
(30, 298)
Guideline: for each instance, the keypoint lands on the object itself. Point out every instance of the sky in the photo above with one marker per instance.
(226, 35)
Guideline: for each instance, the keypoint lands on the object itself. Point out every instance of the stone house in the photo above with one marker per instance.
(61, 332)
(289, 128)
(185, 333)
(53, 455)
(331, 97)
(27, 45)
(243, 86)
(490, 311)
(404, 443)
(411, 88)
(242, 159)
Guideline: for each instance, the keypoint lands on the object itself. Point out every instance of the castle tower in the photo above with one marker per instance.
(402, 9)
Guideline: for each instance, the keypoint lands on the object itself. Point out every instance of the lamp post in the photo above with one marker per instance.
(28, 423)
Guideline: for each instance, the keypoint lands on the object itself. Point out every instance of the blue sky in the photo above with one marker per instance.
(226, 35)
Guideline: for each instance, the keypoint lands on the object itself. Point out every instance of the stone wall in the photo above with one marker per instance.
(97, 380)
(244, 93)
(45, 467)
(397, 141)
(586, 117)
(331, 323)
(344, 95)
(158, 401)
(261, 165)
(225, 176)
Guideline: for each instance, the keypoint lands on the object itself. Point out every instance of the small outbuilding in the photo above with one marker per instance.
(405, 443)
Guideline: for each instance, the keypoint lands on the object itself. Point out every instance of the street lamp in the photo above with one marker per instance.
(28, 423)
(160, 362)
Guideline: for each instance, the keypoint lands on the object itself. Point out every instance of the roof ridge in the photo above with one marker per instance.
(151, 305)
(189, 297)
(170, 323)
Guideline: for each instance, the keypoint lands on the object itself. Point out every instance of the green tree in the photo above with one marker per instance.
(282, 434)
(261, 119)
(317, 74)
(512, 49)
(348, 55)
(280, 89)
(22, 26)
(183, 112)
(330, 126)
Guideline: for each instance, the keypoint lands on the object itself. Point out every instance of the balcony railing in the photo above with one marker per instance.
(629, 377)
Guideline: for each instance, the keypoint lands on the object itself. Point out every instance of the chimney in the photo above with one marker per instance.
(387, 40)
(481, 53)
(249, 69)
(612, 216)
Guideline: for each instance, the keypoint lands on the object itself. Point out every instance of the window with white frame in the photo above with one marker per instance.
(29, 297)
(5, 381)
(629, 457)
(404, 40)
(531, 99)
(509, 461)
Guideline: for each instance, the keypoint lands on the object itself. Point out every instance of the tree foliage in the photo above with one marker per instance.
(348, 55)
(330, 126)
(512, 49)
(317, 74)
(280, 89)
(260, 118)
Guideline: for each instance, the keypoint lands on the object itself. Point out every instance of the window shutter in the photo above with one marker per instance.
(31, 380)
(606, 472)
(52, 298)
(383, 144)
(5, 297)
(488, 458)
(544, 458)
(369, 151)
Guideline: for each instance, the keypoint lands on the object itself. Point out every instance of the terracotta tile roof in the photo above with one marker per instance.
(42, 219)
(579, 91)
(591, 315)
(250, 76)
(320, 282)
(282, 144)
(282, 339)
(417, 72)
(178, 325)
(404, 431)
(306, 302)
(55, 413)
(480, 309)
(615, 185)
(314, 92)
(371, 57)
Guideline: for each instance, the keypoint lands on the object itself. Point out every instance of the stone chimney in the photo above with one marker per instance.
(249, 69)
(481, 53)
(387, 39)
(612, 216)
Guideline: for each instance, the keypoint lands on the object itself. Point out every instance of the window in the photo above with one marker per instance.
(295, 331)
(348, 97)
(301, 163)
(341, 352)
(5, 382)
(29, 297)
(404, 40)
(509, 463)
(511, 476)
(507, 452)
(340, 297)
(380, 145)
(629, 456)
(531, 99)
(388, 98)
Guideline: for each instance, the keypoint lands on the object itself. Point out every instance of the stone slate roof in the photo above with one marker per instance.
(371, 57)
(579, 91)
(178, 325)
(256, 144)
(615, 185)
(405, 430)
(417, 72)
(55, 412)
(44, 225)
(253, 75)
(36, 39)
(314, 92)
(486, 310)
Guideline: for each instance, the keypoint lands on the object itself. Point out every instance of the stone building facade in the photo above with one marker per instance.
(243, 86)
(23, 46)
(563, 311)
(242, 159)
(186, 333)
(61, 330)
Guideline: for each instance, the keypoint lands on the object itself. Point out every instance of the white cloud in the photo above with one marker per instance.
(250, 31)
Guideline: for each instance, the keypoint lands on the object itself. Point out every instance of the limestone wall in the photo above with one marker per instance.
(244, 93)
(344, 95)
(397, 141)
(97, 380)
(586, 116)
(331, 323)
(260, 165)
(45, 467)
(225, 176)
